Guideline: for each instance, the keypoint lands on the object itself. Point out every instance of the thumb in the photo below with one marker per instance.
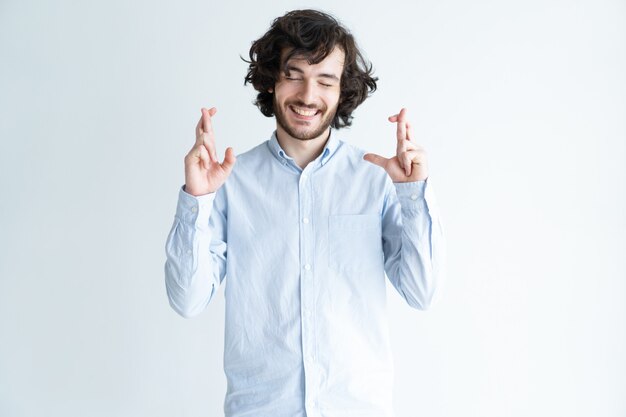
(229, 159)
(375, 159)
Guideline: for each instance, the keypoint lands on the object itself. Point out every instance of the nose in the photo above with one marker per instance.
(308, 92)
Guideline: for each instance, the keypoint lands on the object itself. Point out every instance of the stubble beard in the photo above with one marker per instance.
(302, 133)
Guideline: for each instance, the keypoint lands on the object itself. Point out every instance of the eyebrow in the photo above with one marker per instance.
(290, 68)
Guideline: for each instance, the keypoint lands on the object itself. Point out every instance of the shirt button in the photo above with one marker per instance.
(188, 251)
(305, 220)
(413, 196)
(307, 267)
(194, 209)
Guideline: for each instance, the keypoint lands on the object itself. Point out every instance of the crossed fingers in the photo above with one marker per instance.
(204, 133)
(407, 151)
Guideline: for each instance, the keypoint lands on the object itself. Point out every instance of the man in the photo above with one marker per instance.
(304, 226)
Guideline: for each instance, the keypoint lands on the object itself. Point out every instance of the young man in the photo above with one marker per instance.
(304, 226)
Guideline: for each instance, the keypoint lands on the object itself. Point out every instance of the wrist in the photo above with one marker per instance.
(197, 192)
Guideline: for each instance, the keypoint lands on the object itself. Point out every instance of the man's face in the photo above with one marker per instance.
(306, 100)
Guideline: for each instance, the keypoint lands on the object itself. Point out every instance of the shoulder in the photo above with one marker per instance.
(365, 171)
(246, 164)
(250, 160)
(257, 151)
(354, 154)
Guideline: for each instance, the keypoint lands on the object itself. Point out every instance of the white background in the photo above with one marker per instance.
(521, 105)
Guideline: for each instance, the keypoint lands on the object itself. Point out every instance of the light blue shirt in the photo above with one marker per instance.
(304, 253)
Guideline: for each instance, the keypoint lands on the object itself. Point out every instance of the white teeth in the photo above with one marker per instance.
(302, 112)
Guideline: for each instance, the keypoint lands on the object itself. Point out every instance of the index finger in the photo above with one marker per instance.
(401, 120)
(199, 132)
(204, 132)
(201, 126)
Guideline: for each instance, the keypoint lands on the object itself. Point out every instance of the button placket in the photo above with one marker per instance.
(307, 286)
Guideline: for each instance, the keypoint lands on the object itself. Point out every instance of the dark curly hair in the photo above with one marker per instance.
(313, 35)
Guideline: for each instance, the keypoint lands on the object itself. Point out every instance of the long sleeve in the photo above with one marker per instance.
(413, 242)
(196, 253)
(306, 329)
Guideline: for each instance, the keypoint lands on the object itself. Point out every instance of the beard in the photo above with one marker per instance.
(303, 132)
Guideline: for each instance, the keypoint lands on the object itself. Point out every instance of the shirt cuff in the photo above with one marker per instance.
(411, 194)
(194, 210)
(417, 196)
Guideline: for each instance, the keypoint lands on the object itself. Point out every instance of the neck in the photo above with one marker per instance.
(302, 151)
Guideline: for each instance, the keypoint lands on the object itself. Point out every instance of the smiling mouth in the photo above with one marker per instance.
(304, 112)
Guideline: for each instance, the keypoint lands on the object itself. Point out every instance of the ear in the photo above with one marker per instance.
(270, 90)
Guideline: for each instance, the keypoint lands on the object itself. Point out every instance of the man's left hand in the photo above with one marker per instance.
(410, 162)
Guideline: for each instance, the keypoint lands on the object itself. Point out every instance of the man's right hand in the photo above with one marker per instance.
(203, 173)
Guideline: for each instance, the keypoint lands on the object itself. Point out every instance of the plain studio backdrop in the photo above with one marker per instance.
(520, 104)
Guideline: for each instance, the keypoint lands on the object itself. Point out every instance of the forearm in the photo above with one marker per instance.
(195, 260)
(415, 266)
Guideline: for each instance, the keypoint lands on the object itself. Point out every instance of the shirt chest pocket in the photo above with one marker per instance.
(355, 243)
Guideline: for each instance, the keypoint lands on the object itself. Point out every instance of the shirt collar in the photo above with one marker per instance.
(329, 149)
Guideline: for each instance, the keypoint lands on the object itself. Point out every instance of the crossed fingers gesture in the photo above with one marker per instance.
(410, 163)
(204, 173)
